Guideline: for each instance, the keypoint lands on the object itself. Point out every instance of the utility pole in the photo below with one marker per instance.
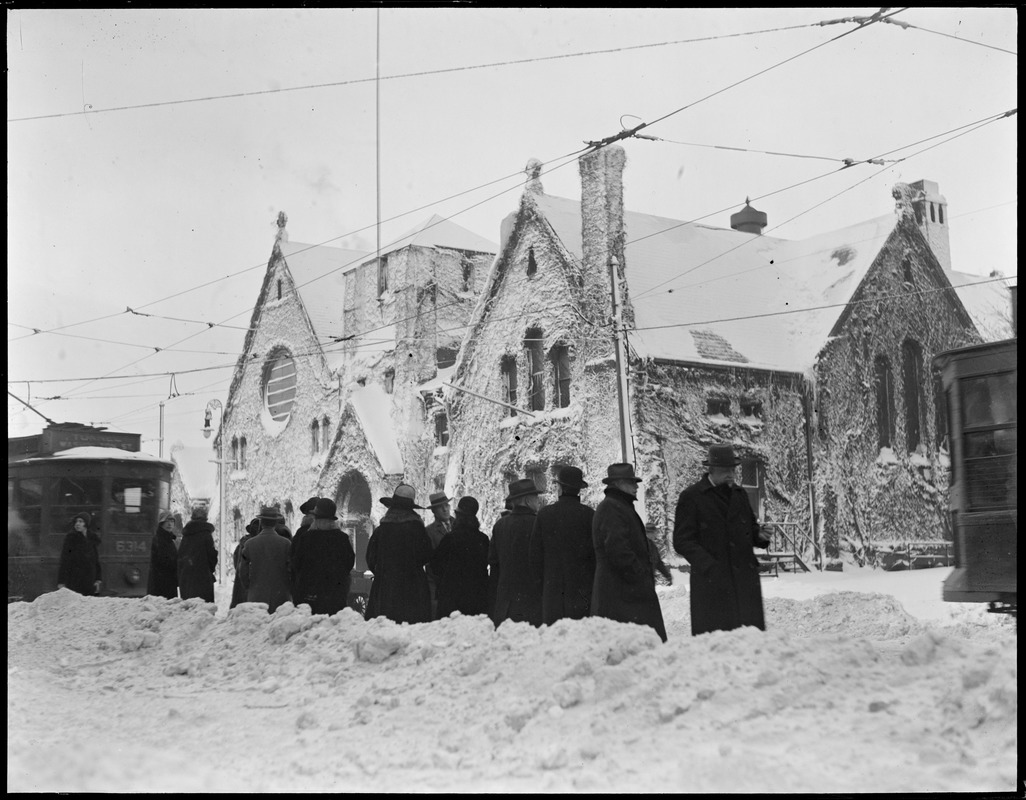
(160, 450)
(621, 359)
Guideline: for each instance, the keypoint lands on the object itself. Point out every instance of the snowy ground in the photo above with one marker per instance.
(864, 682)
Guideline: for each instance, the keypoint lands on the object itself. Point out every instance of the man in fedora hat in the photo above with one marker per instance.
(624, 587)
(396, 553)
(514, 584)
(715, 530)
(264, 565)
(439, 505)
(563, 552)
(238, 590)
(321, 562)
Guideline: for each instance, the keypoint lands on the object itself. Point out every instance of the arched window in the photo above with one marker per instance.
(242, 452)
(559, 356)
(940, 409)
(315, 436)
(532, 265)
(533, 344)
(884, 400)
(279, 385)
(509, 382)
(912, 378)
(325, 434)
(235, 452)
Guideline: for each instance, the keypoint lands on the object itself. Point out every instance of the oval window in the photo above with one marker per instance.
(280, 386)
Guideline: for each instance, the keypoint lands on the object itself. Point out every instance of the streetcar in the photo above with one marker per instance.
(979, 384)
(70, 468)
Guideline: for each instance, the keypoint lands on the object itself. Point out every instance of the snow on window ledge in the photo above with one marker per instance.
(718, 419)
(886, 457)
(510, 422)
(237, 475)
(441, 451)
(271, 425)
(752, 423)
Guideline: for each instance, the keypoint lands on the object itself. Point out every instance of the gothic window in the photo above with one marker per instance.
(279, 288)
(382, 275)
(468, 274)
(315, 436)
(912, 380)
(560, 358)
(325, 433)
(906, 270)
(884, 401)
(532, 265)
(242, 453)
(442, 429)
(533, 343)
(509, 382)
(235, 452)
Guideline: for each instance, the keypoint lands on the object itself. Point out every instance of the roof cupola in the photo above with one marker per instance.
(748, 219)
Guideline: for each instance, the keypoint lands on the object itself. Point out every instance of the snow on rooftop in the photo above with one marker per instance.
(115, 453)
(373, 408)
(988, 301)
(441, 232)
(197, 469)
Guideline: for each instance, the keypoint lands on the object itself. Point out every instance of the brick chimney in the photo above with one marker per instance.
(931, 211)
(602, 227)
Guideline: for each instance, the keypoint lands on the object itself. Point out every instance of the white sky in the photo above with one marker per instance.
(125, 208)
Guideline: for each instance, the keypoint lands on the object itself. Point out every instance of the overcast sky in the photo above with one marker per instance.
(150, 151)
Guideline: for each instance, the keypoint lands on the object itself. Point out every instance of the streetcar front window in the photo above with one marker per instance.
(134, 504)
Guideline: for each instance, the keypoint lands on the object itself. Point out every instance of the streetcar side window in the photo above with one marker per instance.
(25, 499)
(86, 492)
(989, 440)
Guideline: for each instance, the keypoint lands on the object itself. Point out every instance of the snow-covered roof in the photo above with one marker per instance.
(441, 232)
(373, 408)
(107, 453)
(721, 296)
(988, 302)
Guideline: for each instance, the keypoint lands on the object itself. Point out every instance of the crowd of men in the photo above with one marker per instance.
(542, 563)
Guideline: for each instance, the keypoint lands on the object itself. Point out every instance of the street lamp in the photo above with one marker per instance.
(222, 469)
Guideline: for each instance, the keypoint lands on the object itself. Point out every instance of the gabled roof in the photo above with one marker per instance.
(372, 407)
(720, 296)
(441, 232)
(988, 302)
(317, 271)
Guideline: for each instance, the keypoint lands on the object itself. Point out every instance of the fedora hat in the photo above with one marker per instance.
(571, 477)
(521, 488)
(437, 499)
(620, 472)
(404, 496)
(308, 506)
(325, 509)
(268, 512)
(721, 455)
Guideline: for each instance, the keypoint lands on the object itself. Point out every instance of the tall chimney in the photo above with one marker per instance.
(602, 227)
(931, 210)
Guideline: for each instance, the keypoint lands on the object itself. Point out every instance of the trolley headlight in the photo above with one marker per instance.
(132, 576)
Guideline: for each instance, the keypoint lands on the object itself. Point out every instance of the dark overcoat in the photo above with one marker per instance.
(624, 587)
(436, 531)
(79, 568)
(715, 530)
(163, 578)
(238, 590)
(197, 560)
(396, 553)
(563, 551)
(460, 564)
(515, 583)
(321, 562)
(264, 569)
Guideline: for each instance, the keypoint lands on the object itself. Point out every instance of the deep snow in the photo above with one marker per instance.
(864, 682)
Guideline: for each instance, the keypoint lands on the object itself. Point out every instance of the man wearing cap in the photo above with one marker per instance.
(563, 552)
(197, 557)
(715, 530)
(440, 507)
(396, 553)
(624, 587)
(514, 583)
(264, 567)
(321, 562)
(162, 580)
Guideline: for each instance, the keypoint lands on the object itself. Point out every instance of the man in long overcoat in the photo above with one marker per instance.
(515, 584)
(396, 553)
(321, 561)
(563, 551)
(238, 590)
(197, 558)
(461, 564)
(441, 507)
(264, 567)
(624, 587)
(715, 530)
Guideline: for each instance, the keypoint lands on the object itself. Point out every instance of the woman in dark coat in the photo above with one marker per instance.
(163, 578)
(460, 564)
(624, 587)
(197, 558)
(238, 590)
(715, 530)
(396, 553)
(79, 568)
(321, 562)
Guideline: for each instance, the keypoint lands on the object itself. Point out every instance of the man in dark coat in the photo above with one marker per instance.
(197, 558)
(396, 553)
(440, 506)
(515, 584)
(163, 577)
(238, 590)
(79, 568)
(562, 550)
(624, 587)
(265, 564)
(321, 562)
(715, 530)
(460, 563)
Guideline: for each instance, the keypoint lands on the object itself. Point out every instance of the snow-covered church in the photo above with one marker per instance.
(451, 364)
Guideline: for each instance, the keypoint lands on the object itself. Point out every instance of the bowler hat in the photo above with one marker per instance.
(721, 455)
(521, 488)
(620, 472)
(468, 505)
(437, 499)
(325, 509)
(572, 478)
(268, 512)
(308, 506)
(404, 496)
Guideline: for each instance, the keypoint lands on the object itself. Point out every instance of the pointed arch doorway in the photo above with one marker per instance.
(353, 500)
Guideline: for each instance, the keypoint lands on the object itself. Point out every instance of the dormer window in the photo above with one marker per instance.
(442, 429)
